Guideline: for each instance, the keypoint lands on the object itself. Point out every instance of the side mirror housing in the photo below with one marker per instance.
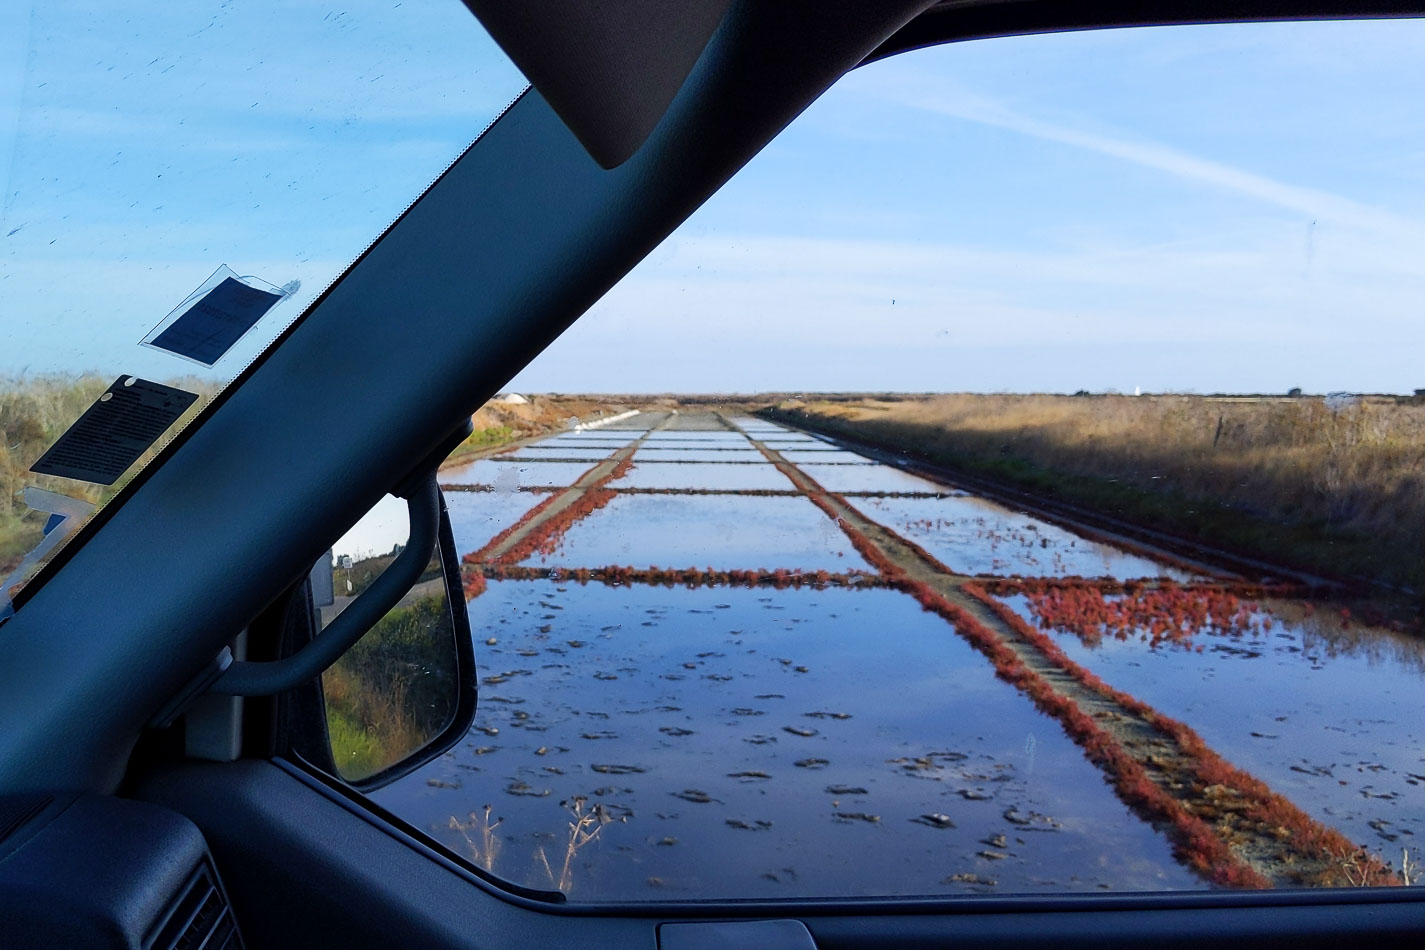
(404, 690)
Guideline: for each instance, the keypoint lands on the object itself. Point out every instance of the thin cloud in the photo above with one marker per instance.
(1312, 202)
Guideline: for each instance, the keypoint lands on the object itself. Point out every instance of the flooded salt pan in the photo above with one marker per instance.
(476, 517)
(544, 449)
(974, 536)
(721, 456)
(840, 478)
(698, 437)
(825, 456)
(511, 475)
(1326, 713)
(720, 531)
(706, 475)
(608, 442)
(743, 744)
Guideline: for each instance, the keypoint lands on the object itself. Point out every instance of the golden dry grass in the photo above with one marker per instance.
(1351, 477)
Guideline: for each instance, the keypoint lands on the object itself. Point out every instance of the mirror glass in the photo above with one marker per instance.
(397, 688)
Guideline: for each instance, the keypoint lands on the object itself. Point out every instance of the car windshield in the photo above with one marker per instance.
(1012, 484)
(1064, 536)
(180, 181)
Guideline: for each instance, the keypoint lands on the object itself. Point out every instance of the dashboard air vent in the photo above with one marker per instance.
(199, 918)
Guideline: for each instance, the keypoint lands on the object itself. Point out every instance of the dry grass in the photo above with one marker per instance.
(34, 411)
(498, 423)
(370, 724)
(1339, 491)
(583, 831)
(486, 850)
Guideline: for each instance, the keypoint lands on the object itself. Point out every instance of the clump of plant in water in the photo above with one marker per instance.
(543, 536)
(1229, 792)
(486, 849)
(584, 829)
(1197, 842)
(1163, 613)
(691, 577)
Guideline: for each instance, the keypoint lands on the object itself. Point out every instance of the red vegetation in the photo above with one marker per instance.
(1164, 613)
(1257, 802)
(691, 577)
(543, 536)
(621, 469)
(539, 531)
(1007, 586)
(535, 512)
(645, 490)
(1195, 841)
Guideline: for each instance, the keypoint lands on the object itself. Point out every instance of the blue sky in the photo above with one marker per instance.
(1236, 208)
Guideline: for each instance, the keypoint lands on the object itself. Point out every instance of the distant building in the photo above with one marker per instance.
(510, 399)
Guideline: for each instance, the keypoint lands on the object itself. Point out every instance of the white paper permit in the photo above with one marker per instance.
(215, 316)
(114, 431)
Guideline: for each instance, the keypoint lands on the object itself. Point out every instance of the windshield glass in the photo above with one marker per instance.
(1064, 536)
(153, 154)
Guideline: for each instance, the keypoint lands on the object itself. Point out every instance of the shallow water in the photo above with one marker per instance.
(825, 456)
(974, 536)
(673, 693)
(477, 516)
(800, 445)
(663, 445)
(580, 442)
(669, 691)
(704, 475)
(706, 531)
(867, 478)
(1329, 717)
(511, 475)
(718, 456)
(563, 451)
(698, 436)
(757, 426)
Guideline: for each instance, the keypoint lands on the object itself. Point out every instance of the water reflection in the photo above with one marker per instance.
(1326, 712)
(974, 536)
(766, 743)
(720, 531)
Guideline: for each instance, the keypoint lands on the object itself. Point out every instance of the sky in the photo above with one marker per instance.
(1198, 209)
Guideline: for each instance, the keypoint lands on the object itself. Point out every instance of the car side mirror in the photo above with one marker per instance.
(405, 691)
(379, 673)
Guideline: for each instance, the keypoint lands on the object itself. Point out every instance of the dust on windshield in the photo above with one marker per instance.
(179, 183)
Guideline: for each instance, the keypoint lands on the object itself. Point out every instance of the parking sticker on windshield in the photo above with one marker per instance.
(112, 434)
(215, 316)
